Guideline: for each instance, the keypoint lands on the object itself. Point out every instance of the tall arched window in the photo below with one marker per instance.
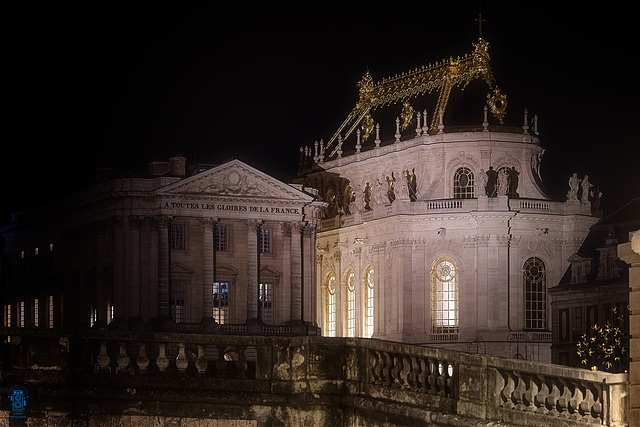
(368, 303)
(330, 315)
(463, 184)
(351, 304)
(535, 294)
(444, 296)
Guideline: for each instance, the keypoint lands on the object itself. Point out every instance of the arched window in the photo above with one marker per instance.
(330, 315)
(463, 184)
(444, 296)
(368, 303)
(351, 304)
(535, 294)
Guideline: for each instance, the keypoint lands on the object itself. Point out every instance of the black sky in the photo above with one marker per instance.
(119, 84)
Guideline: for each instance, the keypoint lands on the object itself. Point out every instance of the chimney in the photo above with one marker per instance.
(158, 168)
(177, 166)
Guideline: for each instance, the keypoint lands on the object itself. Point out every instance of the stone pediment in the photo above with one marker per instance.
(235, 179)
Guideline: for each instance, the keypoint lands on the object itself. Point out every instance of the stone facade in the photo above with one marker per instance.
(226, 246)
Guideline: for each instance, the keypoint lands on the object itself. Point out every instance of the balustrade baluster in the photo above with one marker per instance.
(142, 360)
(395, 372)
(241, 364)
(433, 377)
(221, 364)
(423, 386)
(201, 361)
(162, 362)
(181, 359)
(386, 370)
(540, 399)
(414, 370)
(122, 359)
(103, 360)
(507, 391)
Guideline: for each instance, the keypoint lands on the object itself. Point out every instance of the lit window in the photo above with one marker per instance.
(94, 317)
(177, 236)
(369, 304)
(265, 298)
(351, 305)
(444, 296)
(264, 240)
(36, 313)
(222, 239)
(463, 184)
(50, 311)
(535, 294)
(221, 302)
(7, 315)
(50, 247)
(110, 313)
(36, 250)
(330, 320)
(21, 307)
(178, 296)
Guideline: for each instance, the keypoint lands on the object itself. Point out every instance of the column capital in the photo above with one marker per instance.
(163, 221)
(135, 221)
(253, 224)
(209, 223)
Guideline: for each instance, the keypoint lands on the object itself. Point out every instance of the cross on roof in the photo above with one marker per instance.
(479, 20)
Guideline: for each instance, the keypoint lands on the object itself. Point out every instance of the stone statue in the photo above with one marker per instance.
(366, 195)
(503, 182)
(492, 182)
(481, 183)
(574, 182)
(412, 185)
(391, 194)
(513, 182)
(586, 185)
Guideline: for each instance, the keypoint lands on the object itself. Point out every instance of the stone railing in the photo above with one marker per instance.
(276, 379)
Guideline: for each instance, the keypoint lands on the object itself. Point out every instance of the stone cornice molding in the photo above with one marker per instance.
(163, 221)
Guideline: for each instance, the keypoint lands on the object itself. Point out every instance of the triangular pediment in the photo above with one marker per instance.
(235, 179)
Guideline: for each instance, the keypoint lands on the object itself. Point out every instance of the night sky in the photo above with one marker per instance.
(108, 84)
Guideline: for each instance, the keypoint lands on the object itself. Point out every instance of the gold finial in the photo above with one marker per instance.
(479, 20)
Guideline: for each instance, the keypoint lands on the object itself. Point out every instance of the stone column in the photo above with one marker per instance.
(209, 227)
(296, 271)
(164, 222)
(630, 253)
(253, 228)
(133, 255)
(119, 288)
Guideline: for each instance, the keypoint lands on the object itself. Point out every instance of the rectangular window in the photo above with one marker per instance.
(266, 303)
(264, 241)
(222, 239)
(368, 315)
(178, 296)
(221, 302)
(351, 314)
(7, 315)
(577, 323)
(94, 317)
(21, 317)
(109, 313)
(177, 236)
(50, 311)
(36, 313)
(331, 315)
(444, 296)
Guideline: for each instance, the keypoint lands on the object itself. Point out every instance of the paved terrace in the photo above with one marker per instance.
(109, 378)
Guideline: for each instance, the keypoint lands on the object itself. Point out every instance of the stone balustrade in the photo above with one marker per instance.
(336, 380)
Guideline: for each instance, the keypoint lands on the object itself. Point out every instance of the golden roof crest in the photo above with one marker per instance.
(441, 78)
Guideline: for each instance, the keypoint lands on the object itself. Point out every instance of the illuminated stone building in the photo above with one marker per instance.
(438, 229)
(225, 249)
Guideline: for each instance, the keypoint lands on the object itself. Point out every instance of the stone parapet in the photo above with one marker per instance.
(89, 375)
